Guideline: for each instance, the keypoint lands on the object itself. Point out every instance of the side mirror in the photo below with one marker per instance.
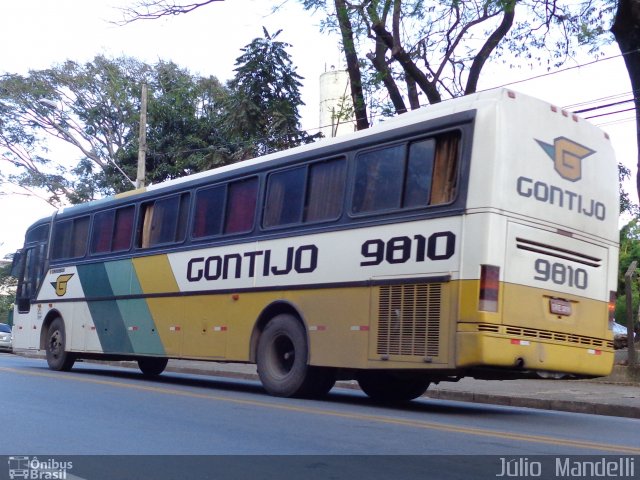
(16, 266)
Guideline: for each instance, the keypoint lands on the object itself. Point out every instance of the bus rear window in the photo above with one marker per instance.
(70, 238)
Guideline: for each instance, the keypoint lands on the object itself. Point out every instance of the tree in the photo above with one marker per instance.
(7, 290)
(94, 108)
(409, 49)
(262, 110)
(626, 30)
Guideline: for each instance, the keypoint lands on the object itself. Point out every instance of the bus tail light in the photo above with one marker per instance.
(612, 308)
(489, 288)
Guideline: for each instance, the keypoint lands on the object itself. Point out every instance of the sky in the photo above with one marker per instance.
(38, 34)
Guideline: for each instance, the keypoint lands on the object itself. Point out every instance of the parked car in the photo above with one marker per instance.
(6, 339)
(620, 336)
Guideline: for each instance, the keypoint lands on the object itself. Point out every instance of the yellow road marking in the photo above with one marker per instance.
(619, 449)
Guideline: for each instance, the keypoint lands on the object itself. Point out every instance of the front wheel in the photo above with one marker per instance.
(282, 359)
(152, 366)
(57, 357)
(383, 386)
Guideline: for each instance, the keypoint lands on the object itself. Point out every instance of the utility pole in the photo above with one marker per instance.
(142, 139)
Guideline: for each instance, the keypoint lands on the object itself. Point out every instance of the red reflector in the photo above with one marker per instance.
(489, 288)
(612, 307)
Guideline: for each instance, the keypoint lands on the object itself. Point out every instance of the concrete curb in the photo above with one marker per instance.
(611, 410)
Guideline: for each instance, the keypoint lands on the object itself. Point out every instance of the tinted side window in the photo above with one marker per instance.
(310, 193)
(70, 238)
(209, 211)
(445, 169)
(123, 230)
(325, 190)
(164, 221)
(417, 183)
(412, 175)
(241, 206)
(285, 197)
(379, 178)
(38, 234)
(112, 230)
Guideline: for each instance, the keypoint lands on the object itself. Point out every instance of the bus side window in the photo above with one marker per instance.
(164, 221)
(209, 209)
(445, 169)
(386, 180)
(70, 238)
(325, 190)
(112, 230)
(102, 231)
(379, 177)
(417, 183)
(123, 229)
(241, 206)
(285, 197)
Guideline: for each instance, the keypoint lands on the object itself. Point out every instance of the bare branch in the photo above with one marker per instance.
(154, 9)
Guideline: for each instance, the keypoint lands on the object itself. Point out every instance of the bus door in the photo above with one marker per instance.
(28, 268)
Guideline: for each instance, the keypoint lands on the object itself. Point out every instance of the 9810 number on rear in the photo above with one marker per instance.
(561, 274)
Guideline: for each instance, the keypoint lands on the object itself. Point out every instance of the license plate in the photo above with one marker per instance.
(559, 307)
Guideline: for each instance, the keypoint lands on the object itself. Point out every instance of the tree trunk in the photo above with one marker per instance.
(353, 66)
(626, 30)
(492, 42)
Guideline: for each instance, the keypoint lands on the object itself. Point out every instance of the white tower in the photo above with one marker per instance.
(336, 106)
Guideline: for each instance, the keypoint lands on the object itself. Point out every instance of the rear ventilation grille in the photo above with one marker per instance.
(409, 320)
(545, 335)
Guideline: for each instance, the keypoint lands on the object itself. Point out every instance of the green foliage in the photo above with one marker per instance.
(193, 123)
(629, 251)
(440, 49)
(261, 112)
(7, 291)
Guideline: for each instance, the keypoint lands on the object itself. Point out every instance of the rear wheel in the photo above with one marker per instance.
(57, 357)
(152, 366)
(282, 361)
(384, 386)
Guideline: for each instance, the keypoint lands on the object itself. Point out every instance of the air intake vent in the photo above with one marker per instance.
(409, 320)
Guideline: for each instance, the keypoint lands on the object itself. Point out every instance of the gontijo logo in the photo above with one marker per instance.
(567, 157)
(60, 285)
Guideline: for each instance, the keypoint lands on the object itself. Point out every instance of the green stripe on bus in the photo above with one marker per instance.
(105, 313)
(135, 313)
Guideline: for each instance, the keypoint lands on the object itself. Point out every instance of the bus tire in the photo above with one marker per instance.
(57, 357)
(152, 366)
(282, 360)
(391, 387)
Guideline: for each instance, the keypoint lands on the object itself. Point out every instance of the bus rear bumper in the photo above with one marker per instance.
(482, 349)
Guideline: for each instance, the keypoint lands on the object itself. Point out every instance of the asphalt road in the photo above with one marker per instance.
(99, 410)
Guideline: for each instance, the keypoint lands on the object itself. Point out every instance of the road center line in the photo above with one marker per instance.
(618, 449)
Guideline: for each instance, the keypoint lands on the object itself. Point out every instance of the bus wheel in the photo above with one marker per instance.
(282, 358)
(384, 386)
(57, 357)
(152, 366)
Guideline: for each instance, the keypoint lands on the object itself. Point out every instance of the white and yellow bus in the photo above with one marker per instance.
(476, 237)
